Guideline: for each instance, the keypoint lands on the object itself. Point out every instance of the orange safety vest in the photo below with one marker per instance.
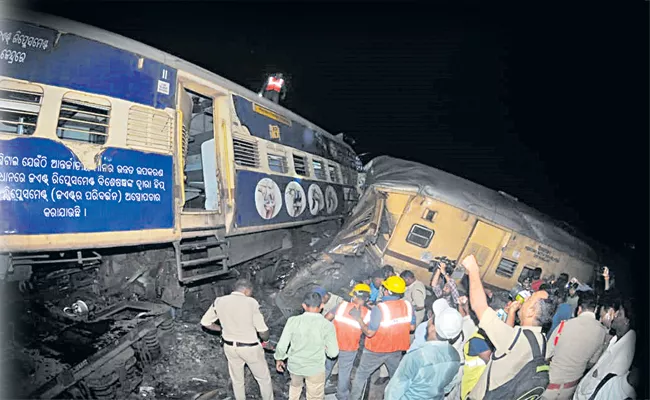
(394, 329)
(275, 84)
(348, 331)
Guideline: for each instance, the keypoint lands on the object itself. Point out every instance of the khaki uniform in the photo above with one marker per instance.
(240, 319)
(331, 303)
(416, 293)
(502, 337)
(579, 344)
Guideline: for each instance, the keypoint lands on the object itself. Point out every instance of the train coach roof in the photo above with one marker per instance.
(90, 32)
(393, 173)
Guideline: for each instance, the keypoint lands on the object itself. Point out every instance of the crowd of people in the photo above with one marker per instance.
(554, 339)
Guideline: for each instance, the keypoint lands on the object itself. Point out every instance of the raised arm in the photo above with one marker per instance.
(434, 283)
(453, 288)
(511, 309)
(477, 297)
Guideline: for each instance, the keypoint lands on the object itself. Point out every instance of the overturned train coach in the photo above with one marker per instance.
(107, 143)
(410, 213)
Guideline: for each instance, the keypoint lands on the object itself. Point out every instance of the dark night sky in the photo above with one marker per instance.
(546, 103)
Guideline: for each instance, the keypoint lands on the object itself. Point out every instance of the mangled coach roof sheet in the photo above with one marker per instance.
(486, 203)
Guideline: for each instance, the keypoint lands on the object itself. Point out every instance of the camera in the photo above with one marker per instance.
(450, 265)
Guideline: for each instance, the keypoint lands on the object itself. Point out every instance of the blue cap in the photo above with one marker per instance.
(320, 290)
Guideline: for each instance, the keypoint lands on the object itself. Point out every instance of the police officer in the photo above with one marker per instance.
(387, 333)
(241, 321)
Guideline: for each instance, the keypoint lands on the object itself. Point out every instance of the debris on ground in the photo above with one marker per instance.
(191, 362)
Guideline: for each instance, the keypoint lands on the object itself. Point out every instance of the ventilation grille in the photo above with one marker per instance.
(506, 268)
(349, 177)
(150, 130)
(277, 163)
(334, 173)
(246, 153)
(299, 165)
(319, 172)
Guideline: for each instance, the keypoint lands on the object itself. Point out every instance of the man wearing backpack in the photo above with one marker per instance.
(517, 369)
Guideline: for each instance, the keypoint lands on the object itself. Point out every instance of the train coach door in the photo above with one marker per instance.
(485, 243)
(198, 158)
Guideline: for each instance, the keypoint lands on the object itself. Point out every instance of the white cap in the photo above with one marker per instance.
(439, 306)
(449, 323)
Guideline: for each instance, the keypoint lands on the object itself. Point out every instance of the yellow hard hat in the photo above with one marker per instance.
(360, 287)
(395, 284)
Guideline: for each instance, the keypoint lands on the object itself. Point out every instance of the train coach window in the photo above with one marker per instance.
(506, 268)
(526, 273)
(19, 111)
(319, 171)
(300, 165)
(334, 173)
(277, 163)
(420, 236)
(83, 121)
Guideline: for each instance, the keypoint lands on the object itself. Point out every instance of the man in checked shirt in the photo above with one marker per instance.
(449, 291)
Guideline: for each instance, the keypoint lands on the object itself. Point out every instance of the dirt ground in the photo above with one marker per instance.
(193, 361)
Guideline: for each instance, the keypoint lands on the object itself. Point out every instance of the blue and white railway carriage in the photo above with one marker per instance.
(107, 142)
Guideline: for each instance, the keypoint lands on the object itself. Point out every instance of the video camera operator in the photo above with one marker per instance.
(447, 290)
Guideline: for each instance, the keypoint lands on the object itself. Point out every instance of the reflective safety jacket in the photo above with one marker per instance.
(473, 368)
(348, 330)
(394, 329)
(275, 84)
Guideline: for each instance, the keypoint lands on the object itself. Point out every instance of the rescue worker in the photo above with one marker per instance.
(388, 271)
(274, 89)
(387, 334)
(241, 321)
(348, 335)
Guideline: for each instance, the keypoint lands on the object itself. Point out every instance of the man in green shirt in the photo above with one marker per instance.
(311, 338)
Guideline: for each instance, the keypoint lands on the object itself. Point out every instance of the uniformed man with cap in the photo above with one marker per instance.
(387, 333)
(241, 321)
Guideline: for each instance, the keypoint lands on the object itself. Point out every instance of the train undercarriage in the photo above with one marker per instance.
(87, 324)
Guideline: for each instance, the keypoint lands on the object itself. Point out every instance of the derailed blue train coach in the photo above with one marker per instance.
(107, 142)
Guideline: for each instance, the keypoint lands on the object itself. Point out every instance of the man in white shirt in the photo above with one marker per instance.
(617, 387)
(616, 360)
(452, 391)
